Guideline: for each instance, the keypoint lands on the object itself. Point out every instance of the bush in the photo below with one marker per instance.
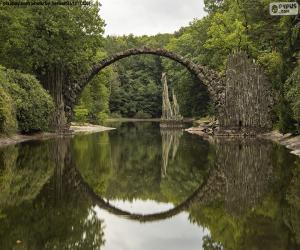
(33, 105)
(81, 114)
(285, 121)
(142, 115)
(273, 65)
(292, 92)
(102, 117)
(8, 123)
(115, 115)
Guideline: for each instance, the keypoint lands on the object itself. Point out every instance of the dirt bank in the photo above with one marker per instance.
(75, 129)
(88, 128)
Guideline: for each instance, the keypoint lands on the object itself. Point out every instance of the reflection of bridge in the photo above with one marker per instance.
(240, 178)
(82, 186)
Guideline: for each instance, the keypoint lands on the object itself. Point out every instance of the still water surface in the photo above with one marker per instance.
(138, 187)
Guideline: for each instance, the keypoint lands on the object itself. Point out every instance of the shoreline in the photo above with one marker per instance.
(7, 140)
(288, 140)
(88, 129)
(142, 120)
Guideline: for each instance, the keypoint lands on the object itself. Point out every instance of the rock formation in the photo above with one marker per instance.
(167, 111)
(171, 116)
(248, 98)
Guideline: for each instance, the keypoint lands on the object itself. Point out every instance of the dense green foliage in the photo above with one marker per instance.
(54, 43)
(40, 38)
(229, 26)
(136, 86)
(49, 44)
(242, 25)
(93, 105)
(7, 113)
(292, 92)
(25, 103)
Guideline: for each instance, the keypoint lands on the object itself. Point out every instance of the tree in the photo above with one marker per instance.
(58, 43)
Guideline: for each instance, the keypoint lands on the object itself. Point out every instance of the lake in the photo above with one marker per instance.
(140, 187)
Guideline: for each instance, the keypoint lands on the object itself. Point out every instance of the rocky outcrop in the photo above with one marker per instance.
(167, 110)
(171, 117)
(247, 101)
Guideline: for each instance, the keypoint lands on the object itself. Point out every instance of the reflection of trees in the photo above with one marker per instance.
(246, 208)
(93, 156)
(24, 170)
(253, 203)
(292, 210)
(170, 140)
(54, 215)
(131, 167)
(209, 244)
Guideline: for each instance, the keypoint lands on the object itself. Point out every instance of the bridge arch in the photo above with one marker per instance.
(200, 195)
(206, 76)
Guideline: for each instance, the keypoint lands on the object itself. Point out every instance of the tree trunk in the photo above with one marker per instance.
(53, 81)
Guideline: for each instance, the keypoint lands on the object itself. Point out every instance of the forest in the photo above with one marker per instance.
(234, 191)
(42, 47)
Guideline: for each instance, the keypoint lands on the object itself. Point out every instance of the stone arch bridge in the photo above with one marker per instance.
(241, 97)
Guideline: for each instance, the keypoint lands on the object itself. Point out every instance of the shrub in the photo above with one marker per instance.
(102, 117)
(142, 115)
(285, 122)
(33, 105)
(115, 115)
(8, 123)
(273, 65)
(292, 92)
(81, 114)
(292, 95)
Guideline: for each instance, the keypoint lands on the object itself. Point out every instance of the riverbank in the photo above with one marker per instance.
(88, 128)
(133, 120)
(142, 120)
(6, 140)
(288, 140)
(75, 129)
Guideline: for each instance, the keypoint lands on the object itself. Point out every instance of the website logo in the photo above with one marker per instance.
(284, 9)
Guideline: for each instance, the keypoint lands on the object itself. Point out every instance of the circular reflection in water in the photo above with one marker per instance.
(110, 207)
(138, 161)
